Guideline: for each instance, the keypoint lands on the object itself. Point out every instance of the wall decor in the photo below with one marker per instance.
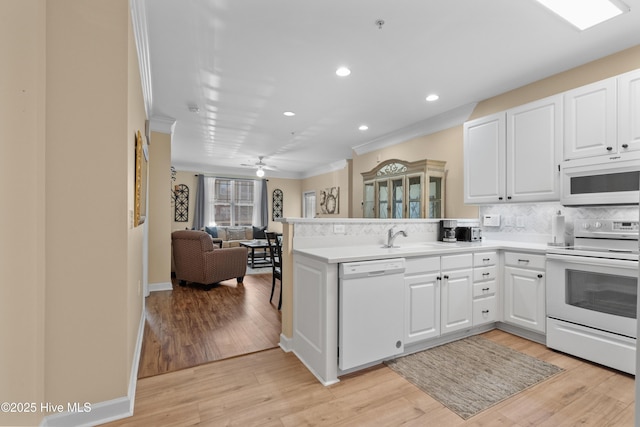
(277, 203)
(329, 198)
(181, 210)
(141, 170)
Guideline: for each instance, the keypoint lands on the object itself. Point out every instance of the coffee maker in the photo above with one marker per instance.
(447, 231)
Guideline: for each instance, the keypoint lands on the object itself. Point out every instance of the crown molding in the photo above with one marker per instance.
(443, 121)
(331, 167)
(141, 35)
(162, 124)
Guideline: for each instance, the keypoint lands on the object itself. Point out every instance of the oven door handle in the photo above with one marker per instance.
(606, 262)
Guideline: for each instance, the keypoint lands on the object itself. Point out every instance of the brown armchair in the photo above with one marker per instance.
(196, 260)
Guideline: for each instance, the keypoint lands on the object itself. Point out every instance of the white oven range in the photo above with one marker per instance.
(592, 292)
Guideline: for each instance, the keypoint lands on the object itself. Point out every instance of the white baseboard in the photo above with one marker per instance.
(162, 286)
(286, 343)
(107, 411)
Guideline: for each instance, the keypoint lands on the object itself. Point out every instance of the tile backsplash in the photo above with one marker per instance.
(534, 219)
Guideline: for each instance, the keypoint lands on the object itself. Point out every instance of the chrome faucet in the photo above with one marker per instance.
(391, 237)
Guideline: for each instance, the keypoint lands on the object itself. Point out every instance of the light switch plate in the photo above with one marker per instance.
(491, 220)
(339, 229)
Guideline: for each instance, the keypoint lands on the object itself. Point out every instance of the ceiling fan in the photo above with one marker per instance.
(260, 166)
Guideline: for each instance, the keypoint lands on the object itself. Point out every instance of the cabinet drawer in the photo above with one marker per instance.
(484, 289)
(484, 273)
(419, 265)
(524, 260)
(484, 310)
(455, 262)
(485, 258)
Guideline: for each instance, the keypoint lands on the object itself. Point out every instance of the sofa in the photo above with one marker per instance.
(231, 236)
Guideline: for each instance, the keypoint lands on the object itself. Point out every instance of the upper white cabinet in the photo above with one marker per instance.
(603, 118)
(590, 120)
(514, 155)
(629, 111)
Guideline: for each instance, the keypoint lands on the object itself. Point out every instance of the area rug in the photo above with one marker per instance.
(472, 374)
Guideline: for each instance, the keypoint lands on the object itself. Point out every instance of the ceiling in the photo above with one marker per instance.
(243, 63)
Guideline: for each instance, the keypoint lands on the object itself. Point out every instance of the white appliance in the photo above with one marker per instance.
(371, 311)
(614, 180)
(592, 291)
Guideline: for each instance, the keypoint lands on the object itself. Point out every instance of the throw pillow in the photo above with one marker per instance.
(213, 231)
(258, 233)
(236, 234)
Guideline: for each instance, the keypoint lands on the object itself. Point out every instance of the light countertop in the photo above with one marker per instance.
(340, 254)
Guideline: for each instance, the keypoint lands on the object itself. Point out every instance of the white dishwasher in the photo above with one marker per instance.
(371, 311)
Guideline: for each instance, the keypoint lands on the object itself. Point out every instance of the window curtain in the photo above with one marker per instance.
(260, 210)
(198, 215)
(209, 201)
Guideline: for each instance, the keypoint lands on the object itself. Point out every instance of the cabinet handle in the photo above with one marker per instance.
(609, 148)
(499, 198)
(438, 278)
(523, 260)
(625, 145)
(486, 259)
(446, 277)
(485, 289)
(486, 274)
(509, 198)
(539, 276)
(485, 311)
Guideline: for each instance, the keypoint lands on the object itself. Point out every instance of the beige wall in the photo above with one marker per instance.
(292, 198)
(190, 179)
(160, 211)
(445, 145)
(71, 303)
(341, 179)
(621, 62)
(22, 248)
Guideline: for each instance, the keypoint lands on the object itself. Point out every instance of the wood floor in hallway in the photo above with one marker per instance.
(189, 326)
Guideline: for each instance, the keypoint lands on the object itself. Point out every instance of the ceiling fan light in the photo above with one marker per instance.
(260, 172)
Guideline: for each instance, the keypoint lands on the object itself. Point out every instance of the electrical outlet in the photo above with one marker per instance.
(339, 229)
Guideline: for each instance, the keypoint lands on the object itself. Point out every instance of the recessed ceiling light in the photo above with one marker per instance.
(343, 71)
(432, 97)
(584, 14)
(289, 113)
(363, 127)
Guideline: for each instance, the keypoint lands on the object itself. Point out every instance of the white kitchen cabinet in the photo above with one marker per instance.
(524, 290)
(534, 144)
(484, 288)
(629, 111)
(590, 120)
(484, 159)
(456, 292)
(513, 156)
(422, 299)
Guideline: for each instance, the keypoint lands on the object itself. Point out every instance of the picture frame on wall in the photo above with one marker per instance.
(141, 176)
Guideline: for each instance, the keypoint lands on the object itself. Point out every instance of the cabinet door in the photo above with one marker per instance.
(457, 300)
(524, 298)
(590, 120)
(484, 159)
(422, 307)
(534, 141)
(629, 112)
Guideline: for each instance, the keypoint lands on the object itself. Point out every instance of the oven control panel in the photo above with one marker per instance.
(606, 228)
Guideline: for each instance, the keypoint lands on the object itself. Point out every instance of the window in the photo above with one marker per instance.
(229, 201)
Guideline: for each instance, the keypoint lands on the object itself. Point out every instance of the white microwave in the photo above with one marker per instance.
(609, 180)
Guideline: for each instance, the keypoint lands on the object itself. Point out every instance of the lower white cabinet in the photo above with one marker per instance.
(484, 288)
(524, 290)
(422, 307)
(456, 309)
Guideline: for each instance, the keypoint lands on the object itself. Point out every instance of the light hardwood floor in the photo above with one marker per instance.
(189, 326)
(273, 388)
